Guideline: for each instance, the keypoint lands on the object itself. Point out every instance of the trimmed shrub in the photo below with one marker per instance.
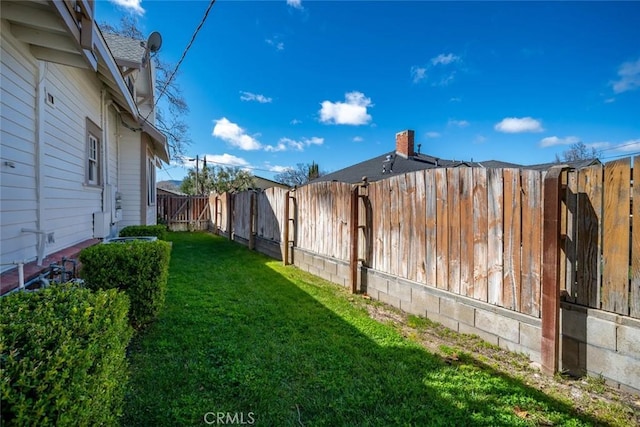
(160, 231)
(138, 268)
(63, 353)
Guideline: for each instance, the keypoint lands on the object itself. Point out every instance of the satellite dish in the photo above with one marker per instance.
(154, 43)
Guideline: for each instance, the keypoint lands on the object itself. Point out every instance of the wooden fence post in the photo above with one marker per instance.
(252, 219)
(550, 310)
(229, 215)
(353, 226)
(285, 232)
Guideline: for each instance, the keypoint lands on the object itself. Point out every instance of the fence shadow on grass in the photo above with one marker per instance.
(238, 338)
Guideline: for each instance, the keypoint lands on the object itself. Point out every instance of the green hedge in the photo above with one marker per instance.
(160, 231)
(63, 353)
(138, 268)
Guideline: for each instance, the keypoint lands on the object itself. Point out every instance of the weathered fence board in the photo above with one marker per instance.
(431, 238)
(453, 211)
(480, 234)
(615, 293)
(635, 245)
(495, 236)
(442, 229)
(571, 201)
(466, 231)
(531, 253)
(512, 239)
(588, 242)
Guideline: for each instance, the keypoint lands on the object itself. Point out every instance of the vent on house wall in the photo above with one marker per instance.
(50, 99)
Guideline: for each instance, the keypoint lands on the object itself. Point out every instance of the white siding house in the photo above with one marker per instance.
(78, 157)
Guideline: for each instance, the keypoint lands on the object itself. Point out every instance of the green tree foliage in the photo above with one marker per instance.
(218, 179)
(171, 113)
(299, 175)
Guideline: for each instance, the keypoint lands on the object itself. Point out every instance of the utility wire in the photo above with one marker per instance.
(242, 167)
(627, 144)
(184, 54)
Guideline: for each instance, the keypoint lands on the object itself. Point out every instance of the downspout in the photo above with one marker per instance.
(42, 237)
(105, 150)
(40, 117)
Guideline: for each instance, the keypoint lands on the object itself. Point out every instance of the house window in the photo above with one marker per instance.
(151, 182)
(94, 154)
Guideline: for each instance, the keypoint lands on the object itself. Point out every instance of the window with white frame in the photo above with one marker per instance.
(151, 182)
(94, 154)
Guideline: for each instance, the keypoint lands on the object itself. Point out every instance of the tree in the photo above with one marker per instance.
(170, 119)
(219, 179)
(578, 151)
(302, 174)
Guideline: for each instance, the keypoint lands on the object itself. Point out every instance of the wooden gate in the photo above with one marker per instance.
(184, 213)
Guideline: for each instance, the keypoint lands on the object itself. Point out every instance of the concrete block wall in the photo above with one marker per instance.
(505, 328)
(596, 342)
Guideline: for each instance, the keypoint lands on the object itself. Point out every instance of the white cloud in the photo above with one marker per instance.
(288, 143)
(358, 139)
(518, 125)
(351, 112)
(440, 70)
(479, 139)
(295, 122)
(458, 123)
(280, 146)
(433, 135)
(132, 6)
(418, 73)
(278, 169)
(629, 77)
(455, 99)
(443, 59)
(226, 159)
(550, 141)
(233, 134)
(273, 42)
(248, 96)
(609, 100)
(295, 3)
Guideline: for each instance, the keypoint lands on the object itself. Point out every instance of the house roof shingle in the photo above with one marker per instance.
(126, 48)
(397, 165)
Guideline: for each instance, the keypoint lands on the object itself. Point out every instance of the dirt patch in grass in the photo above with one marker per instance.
(589, 395)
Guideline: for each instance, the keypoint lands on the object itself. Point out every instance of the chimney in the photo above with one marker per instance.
(404, 143)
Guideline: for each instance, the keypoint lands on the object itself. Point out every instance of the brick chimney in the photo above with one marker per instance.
(404, 143)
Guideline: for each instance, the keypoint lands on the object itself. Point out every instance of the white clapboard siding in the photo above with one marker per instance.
(17, 134)
(69, 204)
(130, 180)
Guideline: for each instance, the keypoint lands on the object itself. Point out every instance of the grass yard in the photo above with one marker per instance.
(243, 336)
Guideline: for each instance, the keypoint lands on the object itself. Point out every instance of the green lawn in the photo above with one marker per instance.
(244, 335)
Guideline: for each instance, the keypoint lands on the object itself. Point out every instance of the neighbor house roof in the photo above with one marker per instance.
(405, 160)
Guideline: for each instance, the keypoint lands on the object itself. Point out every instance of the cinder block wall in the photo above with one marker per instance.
(505, 328)
(597, 343)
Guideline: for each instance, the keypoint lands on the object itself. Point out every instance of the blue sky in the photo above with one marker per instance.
(274, 83)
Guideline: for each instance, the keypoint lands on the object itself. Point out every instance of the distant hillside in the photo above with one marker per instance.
(169, 185)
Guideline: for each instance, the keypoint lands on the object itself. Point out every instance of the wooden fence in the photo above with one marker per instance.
(182, 213)
(474, 232)
(601, 227)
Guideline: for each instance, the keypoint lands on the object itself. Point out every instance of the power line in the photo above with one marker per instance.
(243, 166)
(184, 54)
(615, 147)
(621, 155)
